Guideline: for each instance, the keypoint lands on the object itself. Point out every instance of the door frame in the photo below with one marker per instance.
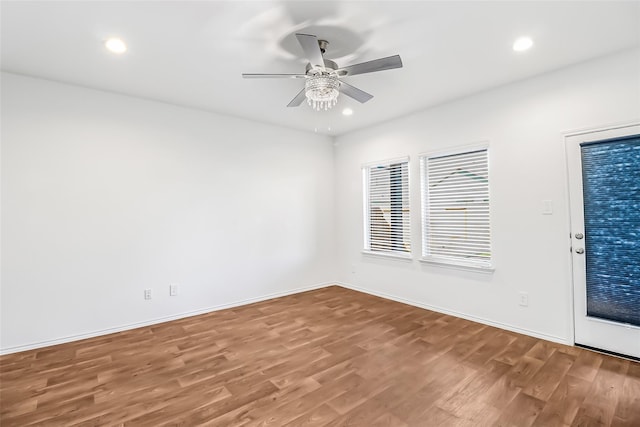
(567, 135)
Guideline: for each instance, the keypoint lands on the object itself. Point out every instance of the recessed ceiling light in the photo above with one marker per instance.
(522, 44)
(116, 45)
(347, 111)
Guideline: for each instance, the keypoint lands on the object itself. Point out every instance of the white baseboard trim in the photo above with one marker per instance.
(155, 321)
(484, 321)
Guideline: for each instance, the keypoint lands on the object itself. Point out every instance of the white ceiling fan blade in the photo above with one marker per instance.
(311, 49)
(387, 63)
(355, 93)
(297, 100)
(272, 76)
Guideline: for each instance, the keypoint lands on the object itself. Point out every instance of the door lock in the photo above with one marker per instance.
(580, 251)
(579, 236)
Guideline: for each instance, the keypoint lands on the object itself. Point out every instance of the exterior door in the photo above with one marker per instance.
(604, 190)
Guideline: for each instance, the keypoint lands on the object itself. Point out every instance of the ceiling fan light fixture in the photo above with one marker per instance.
(322, 91)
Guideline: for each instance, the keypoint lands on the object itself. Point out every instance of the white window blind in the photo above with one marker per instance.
(455, 208)
(386, 207)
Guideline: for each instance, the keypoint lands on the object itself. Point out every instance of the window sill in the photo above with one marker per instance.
(456, 266)
(406, 257)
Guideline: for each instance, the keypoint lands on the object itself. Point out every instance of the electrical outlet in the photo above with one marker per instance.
(353, 269)
(173, 289)
(524, 299)
(147, 294)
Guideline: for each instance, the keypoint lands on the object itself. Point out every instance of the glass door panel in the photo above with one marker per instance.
(611, 187)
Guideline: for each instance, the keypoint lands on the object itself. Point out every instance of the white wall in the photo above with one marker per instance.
(524, 124)
(105, 195)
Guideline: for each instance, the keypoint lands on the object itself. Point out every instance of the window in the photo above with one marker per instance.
(455, 208)
(386, 207)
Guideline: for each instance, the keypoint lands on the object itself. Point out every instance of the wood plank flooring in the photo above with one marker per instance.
(329, 357)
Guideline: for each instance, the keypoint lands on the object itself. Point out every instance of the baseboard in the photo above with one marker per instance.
(155, 321)
(484, 321)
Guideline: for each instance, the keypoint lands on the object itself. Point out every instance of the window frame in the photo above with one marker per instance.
(452, 262)
(366, 168)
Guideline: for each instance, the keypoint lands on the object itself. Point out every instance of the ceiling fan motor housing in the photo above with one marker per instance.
(329, 66)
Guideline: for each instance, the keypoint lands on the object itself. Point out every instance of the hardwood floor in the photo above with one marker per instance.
(327, 357)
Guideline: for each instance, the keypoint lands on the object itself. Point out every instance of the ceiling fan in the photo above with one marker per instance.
(322, 76)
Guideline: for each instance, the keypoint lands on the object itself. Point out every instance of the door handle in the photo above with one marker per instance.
(579, 236)
(579, 250)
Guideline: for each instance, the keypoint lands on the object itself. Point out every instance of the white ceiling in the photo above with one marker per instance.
(193, 53)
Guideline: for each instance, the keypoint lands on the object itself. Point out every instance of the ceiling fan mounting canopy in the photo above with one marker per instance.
(323, 84)
(322, 44)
